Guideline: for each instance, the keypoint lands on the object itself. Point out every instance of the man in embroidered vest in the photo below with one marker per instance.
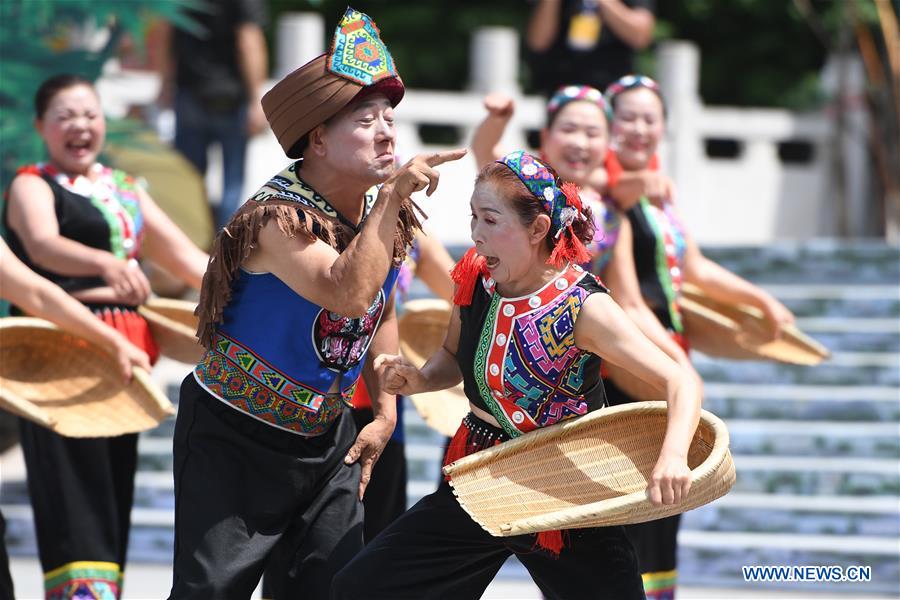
(269, 469)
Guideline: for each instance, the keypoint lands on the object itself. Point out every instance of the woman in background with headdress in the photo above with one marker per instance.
(521, 278)
(665, 256)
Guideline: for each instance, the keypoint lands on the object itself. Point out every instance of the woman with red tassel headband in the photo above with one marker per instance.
(526, 338)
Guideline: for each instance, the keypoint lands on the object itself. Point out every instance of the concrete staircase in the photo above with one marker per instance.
(817, 449)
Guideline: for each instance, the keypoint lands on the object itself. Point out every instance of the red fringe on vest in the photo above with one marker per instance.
(465, 275)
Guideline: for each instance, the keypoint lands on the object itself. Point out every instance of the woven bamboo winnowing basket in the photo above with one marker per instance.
(587, 472)
(174, 327)
(72, 386)
(423, 327)
(746, 335)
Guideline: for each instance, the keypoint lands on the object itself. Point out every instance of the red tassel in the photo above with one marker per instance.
(551, 541)
(569, 249)
(570, 191)
(579, 253)
(465, 274)
(558, 256)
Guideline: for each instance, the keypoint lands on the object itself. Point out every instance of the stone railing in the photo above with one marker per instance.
(776, 178)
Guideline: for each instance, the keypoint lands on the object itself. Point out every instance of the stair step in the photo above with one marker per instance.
(808, 410)
(818, 261)
(719, 517)
(713, 371)
(785, 392)
(814, 438)
(837, 544)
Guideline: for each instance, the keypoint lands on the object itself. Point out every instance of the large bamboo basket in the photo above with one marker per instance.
(423, 327)
(737, 332)
(72, 386)
(587, 472)
(747, 334)
(174, 327)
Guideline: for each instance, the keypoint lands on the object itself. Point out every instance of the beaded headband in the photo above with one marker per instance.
(561, 201)
(630, 82)
(571, 93)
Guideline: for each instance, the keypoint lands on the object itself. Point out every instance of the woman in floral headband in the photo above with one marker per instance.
(521, 277)
(575, 144)
(665, 255)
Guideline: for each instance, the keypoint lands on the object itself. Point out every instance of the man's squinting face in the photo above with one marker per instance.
(576, 142)
(360, 139)
(499, 235)
(638, 127)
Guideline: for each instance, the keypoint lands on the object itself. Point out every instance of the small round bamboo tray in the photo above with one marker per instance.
(174, 327)
(591, 471)
(422, 327)
(742, 332)
(72, 386)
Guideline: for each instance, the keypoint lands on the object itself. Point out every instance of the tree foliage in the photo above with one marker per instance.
(40, 38)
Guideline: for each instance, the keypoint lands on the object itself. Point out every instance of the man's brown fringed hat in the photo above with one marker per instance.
(357, 62)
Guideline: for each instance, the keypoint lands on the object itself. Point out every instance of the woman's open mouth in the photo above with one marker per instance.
(79, 148)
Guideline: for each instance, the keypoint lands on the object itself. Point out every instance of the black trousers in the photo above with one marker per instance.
(81, 493)
(656, 542)
(6, 584)
(435, 550)
(248, 495)
(385, 498)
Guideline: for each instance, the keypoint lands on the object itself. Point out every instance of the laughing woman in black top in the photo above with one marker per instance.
(83, 225)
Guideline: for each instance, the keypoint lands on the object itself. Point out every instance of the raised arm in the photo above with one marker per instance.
(346, 282)
(543, 25)
(634, 26)
(486, 139)
(605, 330)
(41, 298)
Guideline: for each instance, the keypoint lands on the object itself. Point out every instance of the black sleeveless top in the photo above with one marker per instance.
(109, 220)
(518, 355)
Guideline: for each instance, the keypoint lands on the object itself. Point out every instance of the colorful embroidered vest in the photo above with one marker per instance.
(103, 213)
(658, 247)
(275, 355)
(518, 355)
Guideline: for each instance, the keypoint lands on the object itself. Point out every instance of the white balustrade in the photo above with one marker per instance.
(753, 197)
